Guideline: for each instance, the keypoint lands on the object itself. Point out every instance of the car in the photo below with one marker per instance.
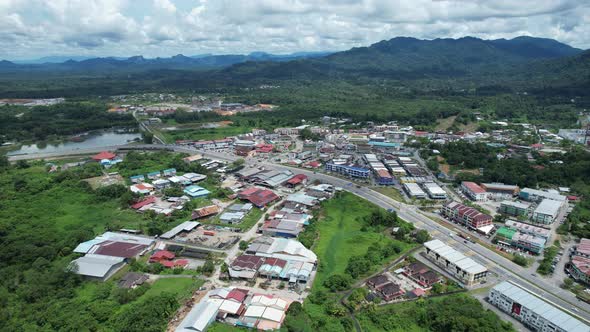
(534, 274)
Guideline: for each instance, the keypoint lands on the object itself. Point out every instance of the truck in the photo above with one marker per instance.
(466, 237)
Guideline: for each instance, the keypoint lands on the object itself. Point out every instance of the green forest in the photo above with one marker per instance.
(46, 122)
(43, 217)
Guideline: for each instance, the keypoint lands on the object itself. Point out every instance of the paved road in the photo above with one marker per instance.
(501, 266)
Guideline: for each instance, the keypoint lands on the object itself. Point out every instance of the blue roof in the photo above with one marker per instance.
(84, 247)
(385, 144)
(154, 173)
(196, 191)
(170, 170)
(136, 176)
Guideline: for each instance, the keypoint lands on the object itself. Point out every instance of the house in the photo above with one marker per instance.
(144, 202)
(142, 188)
(297, 180)
(205, 211)
(390, 291)
(161, 255)
(281, 228)
(259, 197)
(137, 178)
(377, 281)
(192, 158)
(161, 184)
(169, 172)
(154, 175)
(195, 191)
(97, 267)
(104, 155)
(415, 269)
(194, 177)
(132, 280)
(232, 217)
(428, 278)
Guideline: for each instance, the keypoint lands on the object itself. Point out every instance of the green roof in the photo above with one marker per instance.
(506, 232)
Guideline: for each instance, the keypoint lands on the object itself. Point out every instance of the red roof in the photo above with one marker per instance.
(418, 291)
(237, 294)
(162, 255)
(104, 155)
(536, 146)
(473, 187)
(143, 203)
(313, 164)
(297, 179)
(258, 197)
(572, 198)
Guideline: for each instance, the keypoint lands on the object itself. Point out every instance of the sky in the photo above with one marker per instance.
(36, 28)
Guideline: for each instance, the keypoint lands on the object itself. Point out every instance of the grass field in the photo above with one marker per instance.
(341, 236)
(390, 192)
(203, 133)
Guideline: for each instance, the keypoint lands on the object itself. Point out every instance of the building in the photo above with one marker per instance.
(531, 310)
(414, 191)
(465, 269)
(547, 211)
(500, 190)
(377, 281)
(348, 170)
(195, 191)
(97, 267)
(259, 197)
(466, 215)
(528, 229)
(474, 191)
(132, 279)
(583, 248)
(579, 269)
(390, 291)
(534, 195)
(286, 249)
(184, 227)
(104, 155)
(232, 218)
(434, 190)
(142, 188)
(246, 266)
(529, 242)
(516, 209)
(205, 212)
(296, 181)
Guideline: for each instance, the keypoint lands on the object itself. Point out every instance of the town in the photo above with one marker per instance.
(249, 199)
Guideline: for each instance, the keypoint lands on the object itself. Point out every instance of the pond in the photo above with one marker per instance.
(94, 140)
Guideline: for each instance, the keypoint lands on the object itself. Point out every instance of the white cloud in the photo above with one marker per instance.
(34, 28)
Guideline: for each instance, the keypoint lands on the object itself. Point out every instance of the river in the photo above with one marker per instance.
(95, 140)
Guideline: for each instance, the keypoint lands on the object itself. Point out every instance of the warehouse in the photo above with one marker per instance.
(532, 311)
(455, 263)
(500, 190)
(528, 229)
(547, 212)
(414, 191)
(534, 195)
(434, 190)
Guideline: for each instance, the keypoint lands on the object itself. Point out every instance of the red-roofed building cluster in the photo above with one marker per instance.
(466, 215)
(166, 258)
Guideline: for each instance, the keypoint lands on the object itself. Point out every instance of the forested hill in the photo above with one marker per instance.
(410, 58)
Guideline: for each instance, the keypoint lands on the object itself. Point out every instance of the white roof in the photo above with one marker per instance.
(486, 229)
(199, 317)
(95, 265)
(464, 263)
(231, 307)
(414, 189)
(255, 311)
(546, 194)
(264, 300)
(540, 307)
(520, 205)
(549, 207)
(434, 188)
(185, 226)
(273, 314)
(123, 237)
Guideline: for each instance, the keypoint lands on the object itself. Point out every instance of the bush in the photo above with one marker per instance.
(520, 260)
(338, 282)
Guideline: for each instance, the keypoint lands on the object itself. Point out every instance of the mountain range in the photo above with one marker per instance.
(523, 62)
(179, 61)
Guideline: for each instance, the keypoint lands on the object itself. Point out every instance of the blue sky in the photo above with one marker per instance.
(36, 28)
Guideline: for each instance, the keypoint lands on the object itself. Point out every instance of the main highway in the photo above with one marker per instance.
(500, 266)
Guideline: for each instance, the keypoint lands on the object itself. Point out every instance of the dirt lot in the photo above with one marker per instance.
(106, 180)
(220, 238)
